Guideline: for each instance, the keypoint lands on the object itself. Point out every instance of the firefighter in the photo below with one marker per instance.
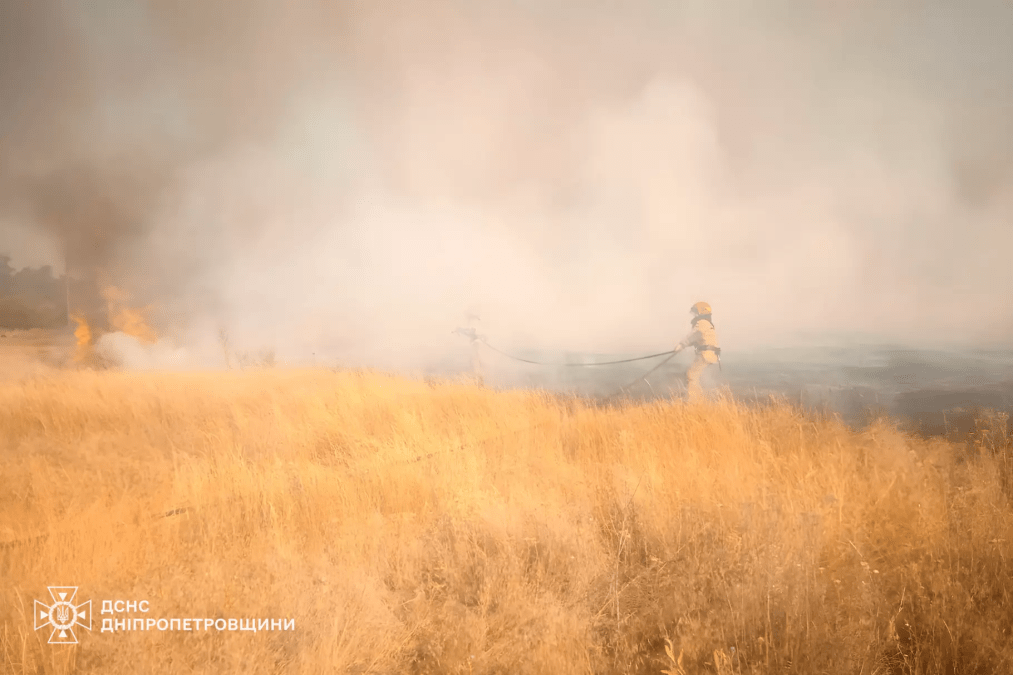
(471, 332)
(705, 340)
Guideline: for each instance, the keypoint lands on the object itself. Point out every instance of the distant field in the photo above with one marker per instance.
(24, 352)
(937, 393)
(408, 527)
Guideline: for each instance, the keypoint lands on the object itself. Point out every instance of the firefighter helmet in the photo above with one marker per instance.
(700, 309)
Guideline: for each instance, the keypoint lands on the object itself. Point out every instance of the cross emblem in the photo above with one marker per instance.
(63, 615)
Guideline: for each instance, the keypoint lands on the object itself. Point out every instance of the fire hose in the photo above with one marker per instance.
(669, 353)
(644, 376)
(480, 339)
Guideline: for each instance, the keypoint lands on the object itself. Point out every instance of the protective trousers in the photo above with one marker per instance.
(476, 363)
(703, 361)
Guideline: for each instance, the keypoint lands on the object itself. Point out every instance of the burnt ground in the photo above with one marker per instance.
(929, 392)
(933, 393)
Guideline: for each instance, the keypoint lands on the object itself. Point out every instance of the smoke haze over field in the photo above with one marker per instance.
(346, 179)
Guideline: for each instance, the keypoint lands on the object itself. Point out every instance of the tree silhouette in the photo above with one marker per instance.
(31, 298)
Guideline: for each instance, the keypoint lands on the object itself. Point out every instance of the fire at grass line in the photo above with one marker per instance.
(910, 632)
(120, 317)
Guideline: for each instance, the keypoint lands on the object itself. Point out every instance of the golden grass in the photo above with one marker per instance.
(412, 527)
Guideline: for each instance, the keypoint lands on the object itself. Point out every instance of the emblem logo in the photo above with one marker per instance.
(63, 615)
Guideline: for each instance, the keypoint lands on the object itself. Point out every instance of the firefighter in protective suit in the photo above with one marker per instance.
(704, 339)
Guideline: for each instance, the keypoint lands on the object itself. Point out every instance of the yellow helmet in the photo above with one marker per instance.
(700, 309)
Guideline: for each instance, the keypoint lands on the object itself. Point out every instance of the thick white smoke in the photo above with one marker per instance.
(343, 185)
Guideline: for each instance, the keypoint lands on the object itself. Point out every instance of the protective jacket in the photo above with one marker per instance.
(704, 339)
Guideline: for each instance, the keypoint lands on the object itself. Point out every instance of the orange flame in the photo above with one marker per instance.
(127, 320)
(83, 335)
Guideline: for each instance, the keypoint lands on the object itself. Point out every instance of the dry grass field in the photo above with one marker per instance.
(437, 527)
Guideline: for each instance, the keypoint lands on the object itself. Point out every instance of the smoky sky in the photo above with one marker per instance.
(350, 178)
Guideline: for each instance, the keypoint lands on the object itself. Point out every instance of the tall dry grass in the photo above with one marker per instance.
(409, 527)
